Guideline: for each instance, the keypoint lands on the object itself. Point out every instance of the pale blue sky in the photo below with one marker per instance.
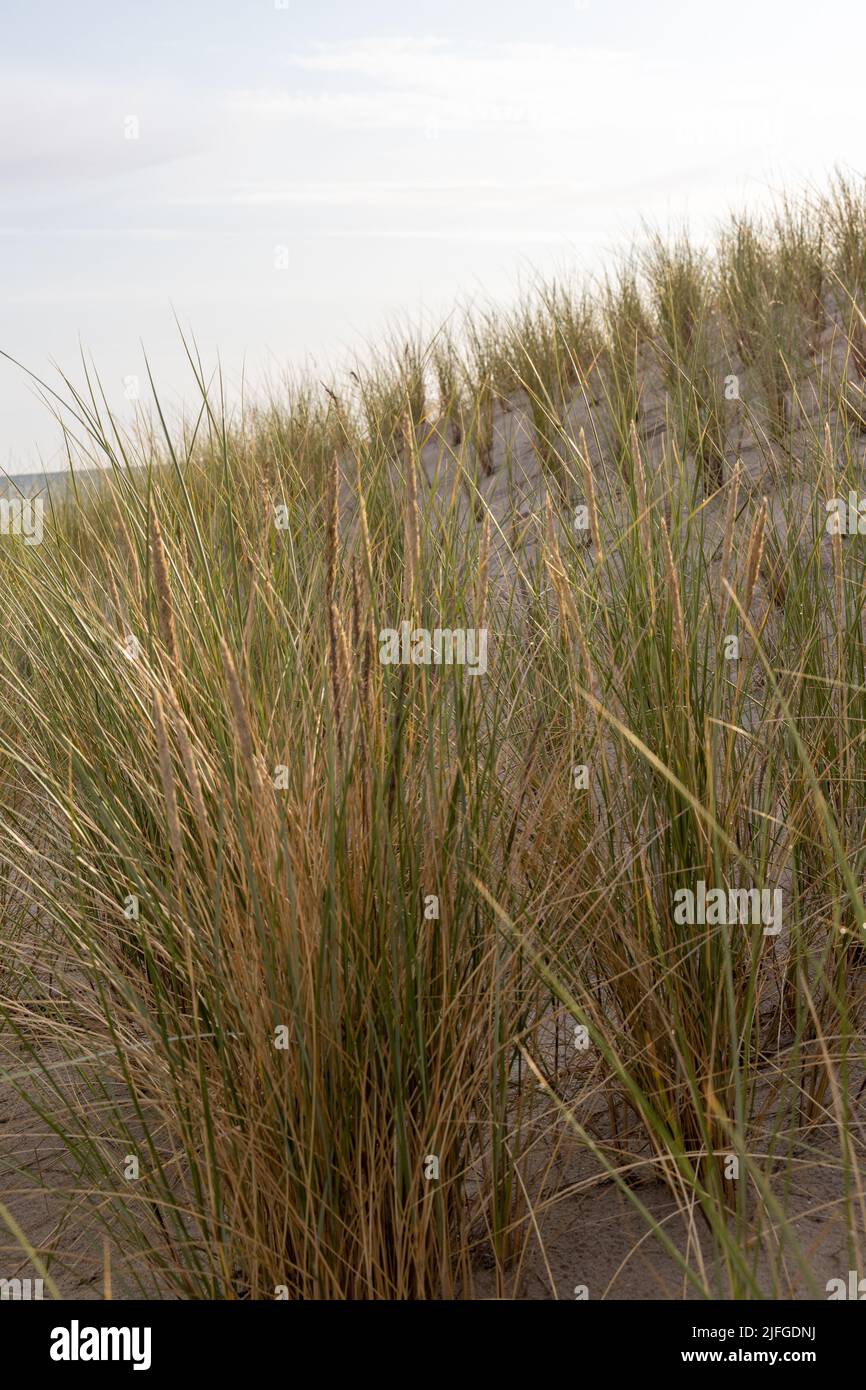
(404, 155)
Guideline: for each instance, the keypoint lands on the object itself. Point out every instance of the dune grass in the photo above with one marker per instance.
(312, 937)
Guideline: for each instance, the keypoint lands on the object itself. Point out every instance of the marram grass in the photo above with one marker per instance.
(348, 955)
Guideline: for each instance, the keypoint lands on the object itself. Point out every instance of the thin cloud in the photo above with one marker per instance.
(71, 129)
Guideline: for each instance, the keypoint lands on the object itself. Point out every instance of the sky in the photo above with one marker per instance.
(289, 179)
